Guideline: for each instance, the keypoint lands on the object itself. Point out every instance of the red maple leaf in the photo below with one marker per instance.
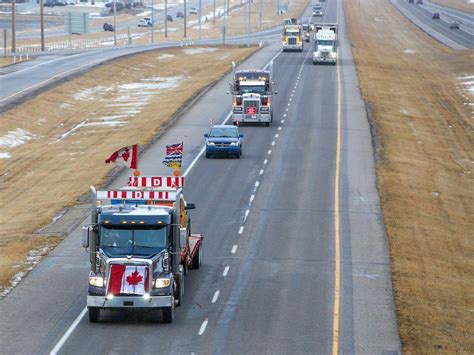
(126, 154)
(135, 278)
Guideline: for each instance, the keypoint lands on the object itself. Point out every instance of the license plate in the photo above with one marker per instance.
(251, 111)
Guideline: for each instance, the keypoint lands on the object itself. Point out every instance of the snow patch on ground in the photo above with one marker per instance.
(90, 94)
(165, 57)
(13, 139)
(4, 155)
(409, 51)
(199, 50)
(468, 83)
(378, 19)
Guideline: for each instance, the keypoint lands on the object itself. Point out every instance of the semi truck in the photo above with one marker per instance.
(140, 246)
(292, 38)
(252, 92)
(325, 43)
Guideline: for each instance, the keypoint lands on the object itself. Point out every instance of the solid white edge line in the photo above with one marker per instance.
(234, 249)
(203, 327)
(226, 271)
(73, 326)
(69, 331)
(216, 296)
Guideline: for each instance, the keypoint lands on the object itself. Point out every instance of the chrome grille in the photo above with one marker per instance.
(291, 40)
(251, 107)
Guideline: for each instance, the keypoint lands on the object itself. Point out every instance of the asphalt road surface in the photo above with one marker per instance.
(312, 238)
(421, 15)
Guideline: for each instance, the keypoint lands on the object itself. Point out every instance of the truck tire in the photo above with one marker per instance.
(179, 293)
(197, 259)
(94, 314)
(267, 124)
(168, 314)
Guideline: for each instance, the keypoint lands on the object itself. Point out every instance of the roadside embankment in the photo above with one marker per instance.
(53, 147)
(418, 96)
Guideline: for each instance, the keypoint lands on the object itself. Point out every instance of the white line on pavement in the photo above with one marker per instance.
(251, 199)
(241, 229)
(216, 296)
(246, 215)
(265, 162)
(203, 327)
(273, 143)
(261, 172)
(234, 249)
(66, 335)
(226, 271)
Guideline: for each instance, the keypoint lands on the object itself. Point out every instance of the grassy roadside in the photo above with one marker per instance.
(424, 124)
(68, 131)
(456, 4)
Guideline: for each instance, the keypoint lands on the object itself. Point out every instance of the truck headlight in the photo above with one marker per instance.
(234, 143)
(210, 143)
(97, 281)
(161, 283)
(333, 54)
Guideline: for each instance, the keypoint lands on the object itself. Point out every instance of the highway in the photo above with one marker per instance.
(421, 15)
(305, 270)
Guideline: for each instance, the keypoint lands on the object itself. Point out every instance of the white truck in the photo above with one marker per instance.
(325, 43)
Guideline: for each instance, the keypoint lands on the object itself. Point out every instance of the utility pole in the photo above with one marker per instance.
(200, 20)
(261, 14)
(41, 3)
(115, 23)
(152, 22)
(223, 29)
(184, 18)
(214, 13)
(248, 24)
(166, 18)
(13, 26)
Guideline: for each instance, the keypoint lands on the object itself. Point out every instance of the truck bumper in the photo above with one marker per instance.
(129, 302)
(261, 117)
(324, 60)
(292, 47)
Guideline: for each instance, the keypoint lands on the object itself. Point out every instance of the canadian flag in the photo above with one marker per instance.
(128, 279)
(127, 157)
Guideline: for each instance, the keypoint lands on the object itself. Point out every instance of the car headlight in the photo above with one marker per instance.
(211, 143)
(161, 283)
(333, 54)
(97, 281)
(234, 143)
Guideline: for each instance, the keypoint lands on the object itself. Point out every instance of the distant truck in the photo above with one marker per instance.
(292, 38)
(140, 246)
(325, 43)
(252, 92)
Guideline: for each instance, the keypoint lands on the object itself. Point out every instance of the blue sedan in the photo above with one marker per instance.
(224, 140)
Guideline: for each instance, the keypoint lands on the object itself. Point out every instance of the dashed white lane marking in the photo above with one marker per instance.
(251, 199)
(203, 327)
(273, 143)
(289, 104)
(257, 184)
(269, 152)
(216, 296)
(246, 216)
(283, 121)
(241, 229)
(291, 99)
(286, 109)
(279, 128)
(234, 249)
(261, 172)
(66, 335)
(226, 271)
(265, 162)
(292, 94)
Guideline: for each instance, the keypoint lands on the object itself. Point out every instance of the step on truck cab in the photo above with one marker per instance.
(252, 92)
(292, 37)
(325, 43)
(140, 246)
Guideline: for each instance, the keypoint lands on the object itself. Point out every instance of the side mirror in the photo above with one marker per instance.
(206, 135)
(241, 135)
(275, 92)
(227, 92)
(190, 206)
(182, 237)
(85, 236)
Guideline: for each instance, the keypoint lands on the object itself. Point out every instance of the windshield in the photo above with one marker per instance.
(254, 89)
(223, 132)
(132, 240)
(325, 43)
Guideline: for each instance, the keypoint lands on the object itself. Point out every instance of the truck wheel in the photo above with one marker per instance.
(179, 294)
(168, 314)
(267, 124)
(196, 262)
(94, 314)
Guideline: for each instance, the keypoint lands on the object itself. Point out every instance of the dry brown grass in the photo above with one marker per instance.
(457, 4)
(425, 176)
(43, 176)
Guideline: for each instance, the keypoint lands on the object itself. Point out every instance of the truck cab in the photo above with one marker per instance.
(140, 247)
(252, 92)
(325, 44)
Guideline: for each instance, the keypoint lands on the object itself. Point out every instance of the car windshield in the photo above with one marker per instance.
(325, 43)
(230, 132)
(255, 89)
(132, 240)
